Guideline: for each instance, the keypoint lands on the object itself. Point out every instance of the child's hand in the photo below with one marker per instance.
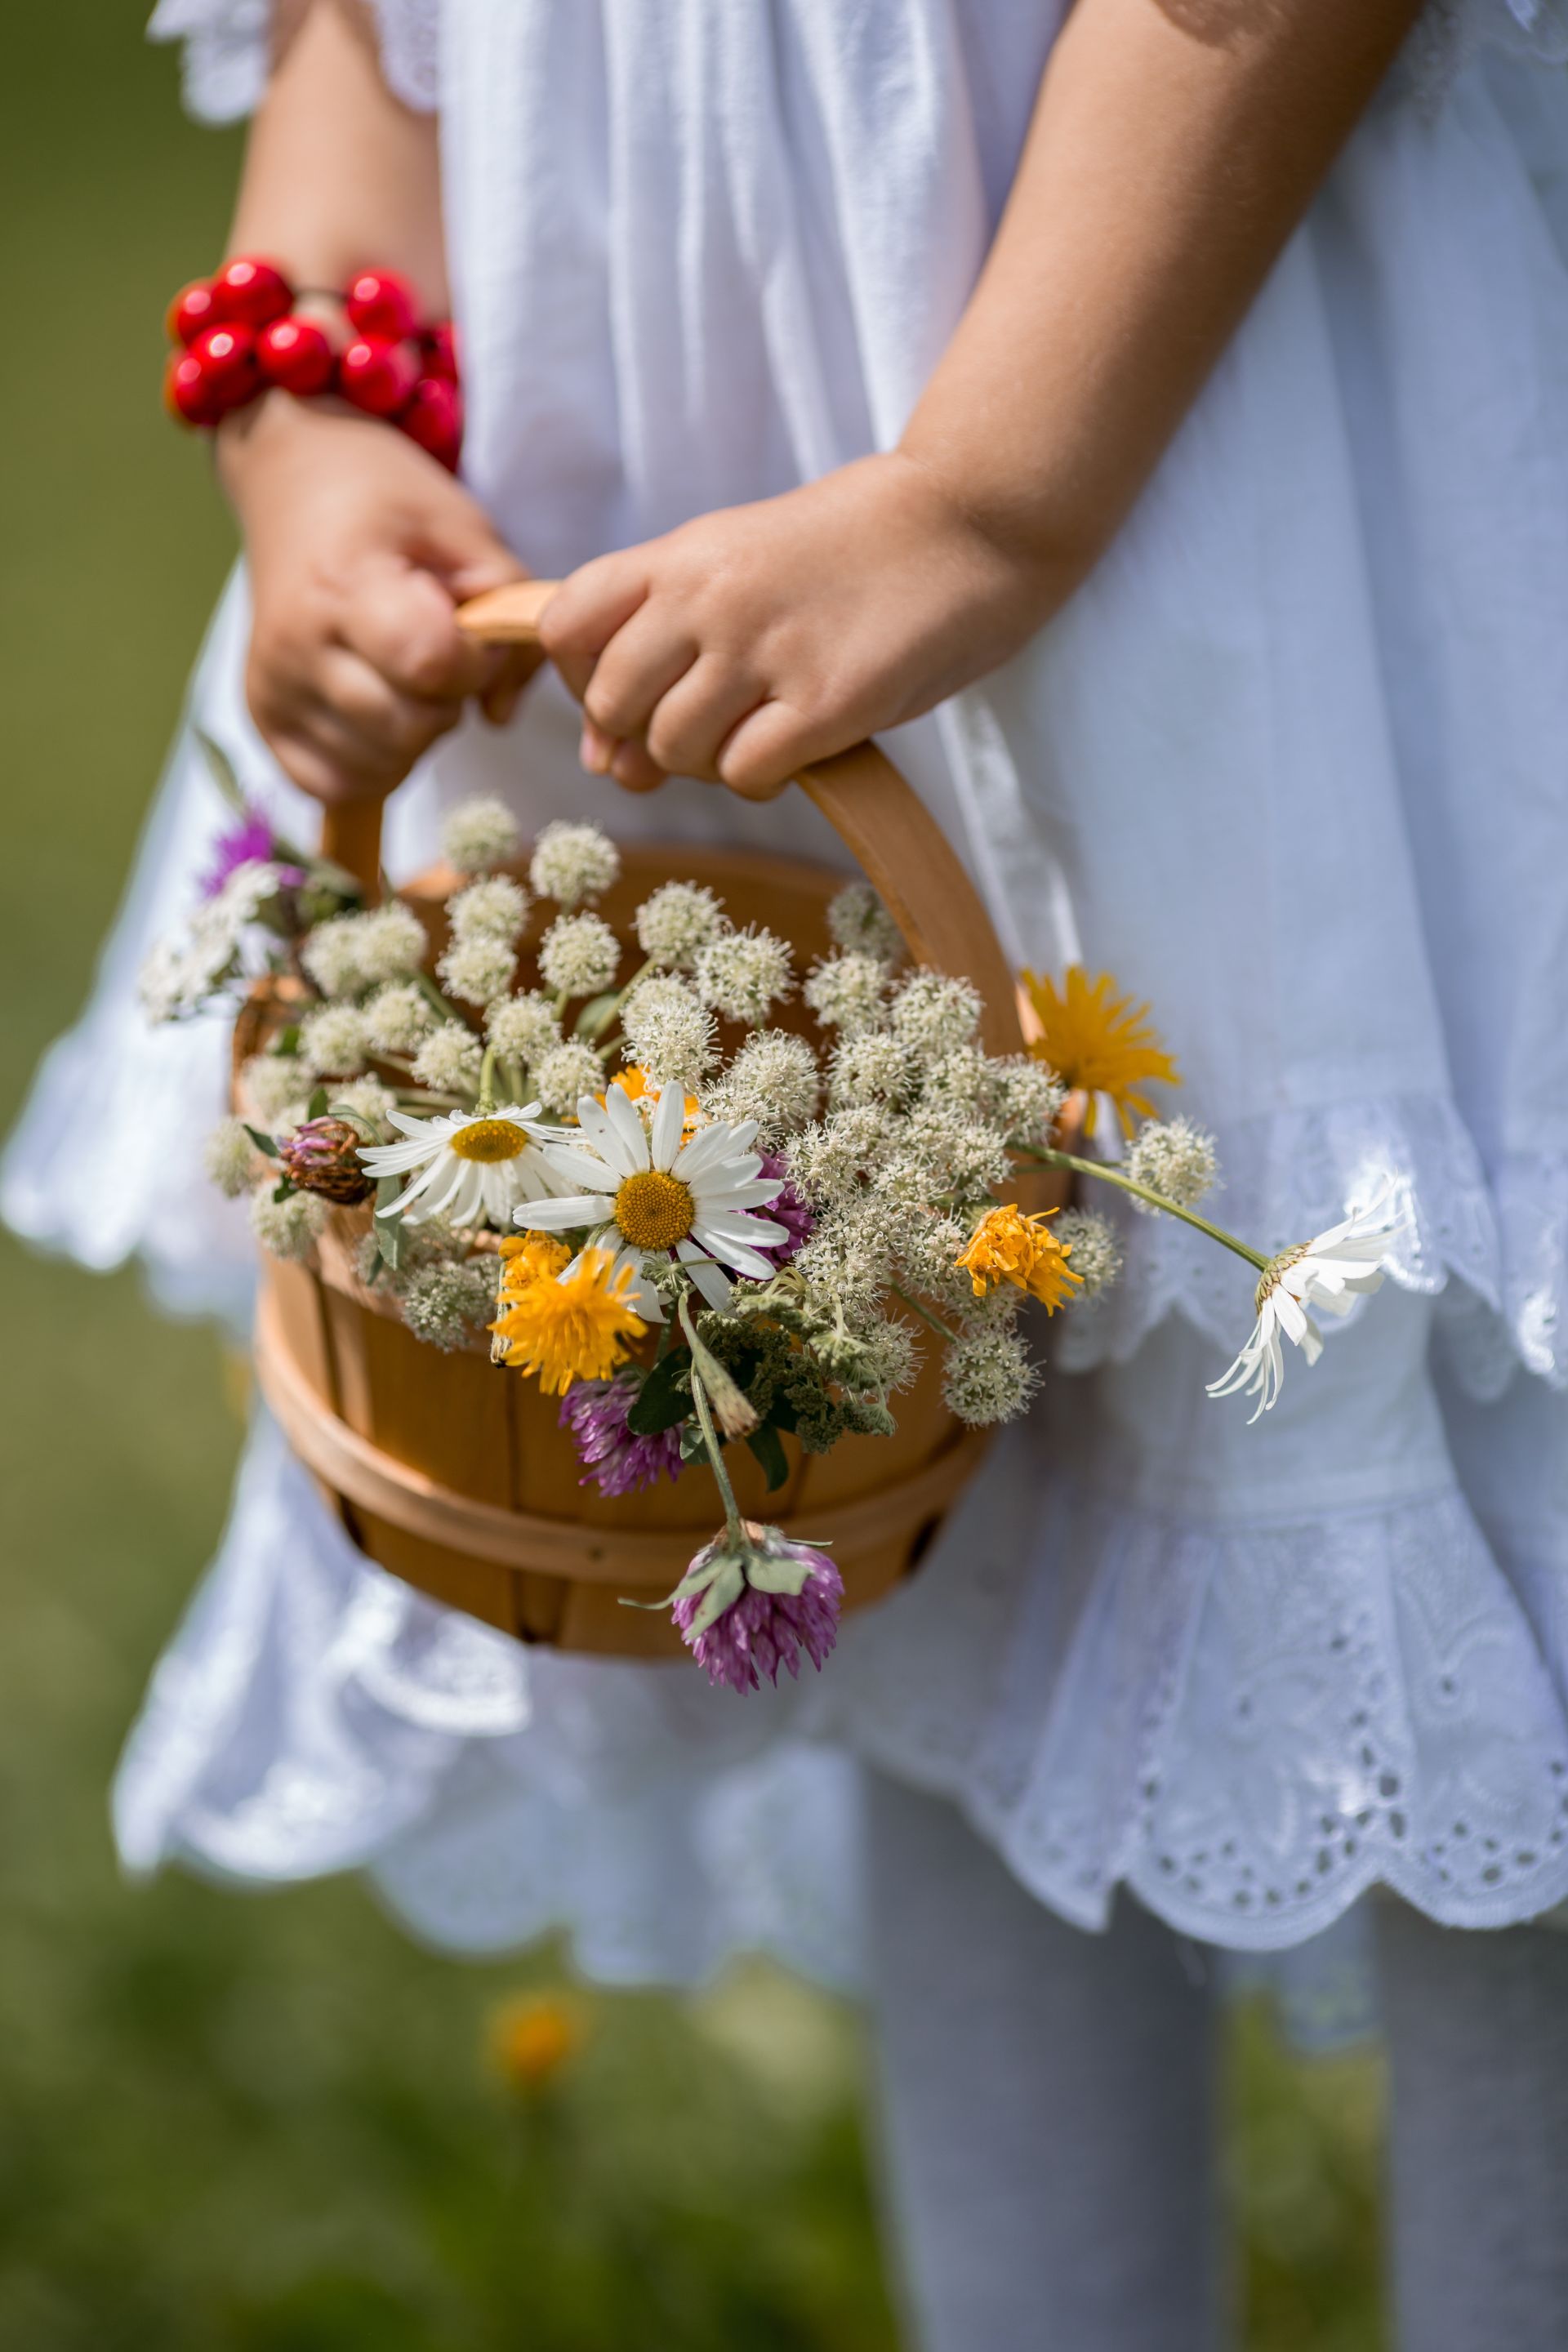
(359, 545)
(752, 641)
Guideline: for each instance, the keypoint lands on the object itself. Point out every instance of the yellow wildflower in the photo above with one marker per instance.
(1100, 1042)
(532, 2037)
(565, 1328)
(1008, 1246)
(539, 1254)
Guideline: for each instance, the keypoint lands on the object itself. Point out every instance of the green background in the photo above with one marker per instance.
(269, 2122)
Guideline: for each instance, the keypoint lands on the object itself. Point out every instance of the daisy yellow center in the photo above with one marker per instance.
(654, 1211)
(489, 1140)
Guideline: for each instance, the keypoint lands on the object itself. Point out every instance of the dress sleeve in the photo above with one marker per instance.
(227, 47)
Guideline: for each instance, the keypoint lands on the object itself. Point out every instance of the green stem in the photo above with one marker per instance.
(925, 1315)
(612, 1012)
(433, 996)
(732, 1526)
(487, 1101)
(1107, 1175)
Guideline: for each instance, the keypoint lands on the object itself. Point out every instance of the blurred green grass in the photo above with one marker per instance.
(267, 2123)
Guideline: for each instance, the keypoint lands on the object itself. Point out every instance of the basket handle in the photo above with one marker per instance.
(886, 827)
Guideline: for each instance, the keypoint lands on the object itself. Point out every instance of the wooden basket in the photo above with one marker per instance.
(453, 1473)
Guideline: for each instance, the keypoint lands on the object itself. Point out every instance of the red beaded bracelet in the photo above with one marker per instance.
(237, 336)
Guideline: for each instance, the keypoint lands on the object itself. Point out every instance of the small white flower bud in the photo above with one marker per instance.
(449, 1060)
(230, 1157)
(564, 1074)
(333, 1041)
(478, 969)
(579, 955)
(288, 1227)
(573, 862)
(495, 909)
(680, 918)
(1172, 1157)
(480, 834)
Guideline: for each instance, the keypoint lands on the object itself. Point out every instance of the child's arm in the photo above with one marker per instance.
(358, 542)
(1176, 144)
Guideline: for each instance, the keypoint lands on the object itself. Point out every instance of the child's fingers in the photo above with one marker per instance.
(633, 769)
(645, 656)
(392, 725)
(400, 621)
(697, 716)
(769, 747)
(586, 612)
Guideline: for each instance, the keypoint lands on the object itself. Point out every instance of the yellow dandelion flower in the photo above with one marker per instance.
(1008, 1246)
(574, 1326)
(1100, 1042)
(532, 2038)
(539, 1254)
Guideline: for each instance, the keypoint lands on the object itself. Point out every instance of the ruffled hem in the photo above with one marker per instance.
(227, 57)
(1247, 1727)
(1296, 1173)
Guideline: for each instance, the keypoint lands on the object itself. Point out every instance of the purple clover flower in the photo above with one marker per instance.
(791, 1208)
(614, 1458)
(763, 1629)
(249, 842)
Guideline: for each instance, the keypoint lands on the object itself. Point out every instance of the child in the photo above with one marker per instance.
(1166, 398)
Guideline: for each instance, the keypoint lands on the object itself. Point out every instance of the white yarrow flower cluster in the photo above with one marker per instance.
(477, 968)
(1175, 1159)
(579, 955)
(744, 974)
(289, 1228)
(774, 1081)
(566, 1072)
(1027, 1099)
(449, 1060)
(179, 980)
(988, 1377)
(333, 1041)
(933, 1014)
(668, 1032)
(398, 1019)
(859, 922)
(480, 834)
(272, 1083)
(523, 1028)
(870, 1067)
(350, 953)
(848, 991)
(450, 1303)
(495, 909)
(1096, 1253)
(573, 862)
(365, 1098)
(677, 922)
(231, 1158)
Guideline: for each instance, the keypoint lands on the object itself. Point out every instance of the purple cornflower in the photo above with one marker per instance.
(792, 1208)
(247, 843)
(614, 1458)
(786, 1600)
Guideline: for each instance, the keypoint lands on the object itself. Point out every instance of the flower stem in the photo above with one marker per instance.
(487, 1101)
(925, 1315)
(606, 1020)
(433, 996)
(1108, 1174)
(732, 1526)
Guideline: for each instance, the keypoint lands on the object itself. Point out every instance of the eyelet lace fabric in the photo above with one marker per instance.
(227, 51)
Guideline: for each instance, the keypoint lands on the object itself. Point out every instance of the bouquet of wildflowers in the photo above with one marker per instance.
(695, 1225)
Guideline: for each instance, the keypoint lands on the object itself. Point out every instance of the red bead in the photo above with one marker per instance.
(251, 293)
(227, 357)
(186, 391)
(381, 304)
(441, 351)
(376, 375)
(433, 419)
(192, 308)
(296, 355)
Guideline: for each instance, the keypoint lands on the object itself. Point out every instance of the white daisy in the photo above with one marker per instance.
(646, 1191)
(464, 1164)
(1330, 1272)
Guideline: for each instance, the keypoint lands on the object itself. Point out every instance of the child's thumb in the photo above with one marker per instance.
(471, 558)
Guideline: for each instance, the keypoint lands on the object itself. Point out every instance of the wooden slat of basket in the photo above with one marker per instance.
(373, 1481)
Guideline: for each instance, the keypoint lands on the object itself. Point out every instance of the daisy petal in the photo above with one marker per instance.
(668, 1126)
(625, 1121)
(562, 1216)
(707, 1276)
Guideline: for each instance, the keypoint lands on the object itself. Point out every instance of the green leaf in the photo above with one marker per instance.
(317, 1106)
(767, 1445)
(262, 1143)
(596, 1015)
(223, 773)
(665, 1396)
(782, 1413)
(287, 1040)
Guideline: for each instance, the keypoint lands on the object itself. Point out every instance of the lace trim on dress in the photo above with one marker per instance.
(228, 45)
(1294, 1173)
(1246, 1726)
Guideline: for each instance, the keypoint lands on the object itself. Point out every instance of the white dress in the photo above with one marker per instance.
(1293, 763)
